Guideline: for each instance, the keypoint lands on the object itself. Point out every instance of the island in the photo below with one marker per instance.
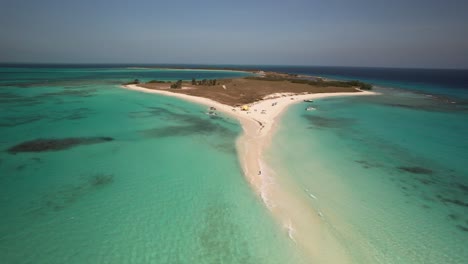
(256, 102)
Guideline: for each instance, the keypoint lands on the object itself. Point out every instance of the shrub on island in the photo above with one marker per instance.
(361, 85)
(156, 81)
(136, 81)
(177, 85)
(317, 82)
(205, 82)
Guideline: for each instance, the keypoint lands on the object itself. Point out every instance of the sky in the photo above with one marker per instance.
(372, 33)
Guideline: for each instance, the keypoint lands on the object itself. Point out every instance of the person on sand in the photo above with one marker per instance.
(259, 172)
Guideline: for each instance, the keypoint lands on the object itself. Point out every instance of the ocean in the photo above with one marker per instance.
(387, 173)
(125, 177)
(129, 177)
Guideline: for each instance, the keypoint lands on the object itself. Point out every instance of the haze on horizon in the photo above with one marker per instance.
(400, 33)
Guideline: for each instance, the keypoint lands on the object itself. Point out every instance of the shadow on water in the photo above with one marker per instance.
(68, 195)
(77, 93)
(20, 120)
(52, 116)
(328, 122)
(424, 182)
(427, 184)
(214, 237)
(155, 111)
(437, 186)
(62, 83)
(190, 124)
(73, 114)
(193, 127)
(228, 148)
(415, 101)
(16, 100)
(40, 145)
(416, 170)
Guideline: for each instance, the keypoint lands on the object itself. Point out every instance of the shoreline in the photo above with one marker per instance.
(304, 226)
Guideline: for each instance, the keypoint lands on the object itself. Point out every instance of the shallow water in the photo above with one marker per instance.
(90, 172)
(387, 173)
(100, 174)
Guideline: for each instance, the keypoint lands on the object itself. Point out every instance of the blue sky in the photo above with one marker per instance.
(431, 34)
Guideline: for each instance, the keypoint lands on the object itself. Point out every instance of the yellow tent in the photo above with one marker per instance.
(245, 108)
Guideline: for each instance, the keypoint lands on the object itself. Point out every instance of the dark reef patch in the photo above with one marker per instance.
(416, 170)
(462, 187)
(74, 114)
(156, 111)
(194, 127)
(327, 122)
(213, 236)
(17, 121)
(40, 145)
(368, 164)
(454, 216)
(78, 93)
(228, 148)
(17, 100)
(463, 228)
(191, 124)
(101, 179)
(20, 167)
(426, 181)
(68, 195)
(36, 159)
(453, 201)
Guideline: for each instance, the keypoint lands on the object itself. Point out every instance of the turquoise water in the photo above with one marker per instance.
(128, 177)
(389, 173)
(140, 178)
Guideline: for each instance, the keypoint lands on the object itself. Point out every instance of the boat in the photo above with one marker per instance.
(310, 108)
(308, 101)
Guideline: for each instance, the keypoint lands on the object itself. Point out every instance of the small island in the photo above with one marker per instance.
(256, 102)
(248, 90)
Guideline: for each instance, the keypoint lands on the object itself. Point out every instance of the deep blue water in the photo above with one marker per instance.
(448, 82)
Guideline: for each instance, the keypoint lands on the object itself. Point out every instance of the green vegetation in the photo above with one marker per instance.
(136, 81)
(361, 85)
(205, 82)
(322, 83)
(319, 82)
(177, 85)
(156, 81)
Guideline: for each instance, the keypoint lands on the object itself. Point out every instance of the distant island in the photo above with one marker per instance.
(247, 90)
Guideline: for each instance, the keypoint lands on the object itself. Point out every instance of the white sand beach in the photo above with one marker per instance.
(301, 223)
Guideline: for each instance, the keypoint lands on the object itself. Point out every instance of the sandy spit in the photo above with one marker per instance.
(300, 222)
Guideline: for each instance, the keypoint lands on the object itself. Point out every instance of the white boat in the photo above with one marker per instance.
(310, 108)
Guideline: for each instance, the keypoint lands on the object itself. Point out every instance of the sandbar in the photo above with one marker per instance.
(301, 223)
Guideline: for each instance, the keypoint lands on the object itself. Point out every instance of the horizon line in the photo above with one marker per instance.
(219, 65)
